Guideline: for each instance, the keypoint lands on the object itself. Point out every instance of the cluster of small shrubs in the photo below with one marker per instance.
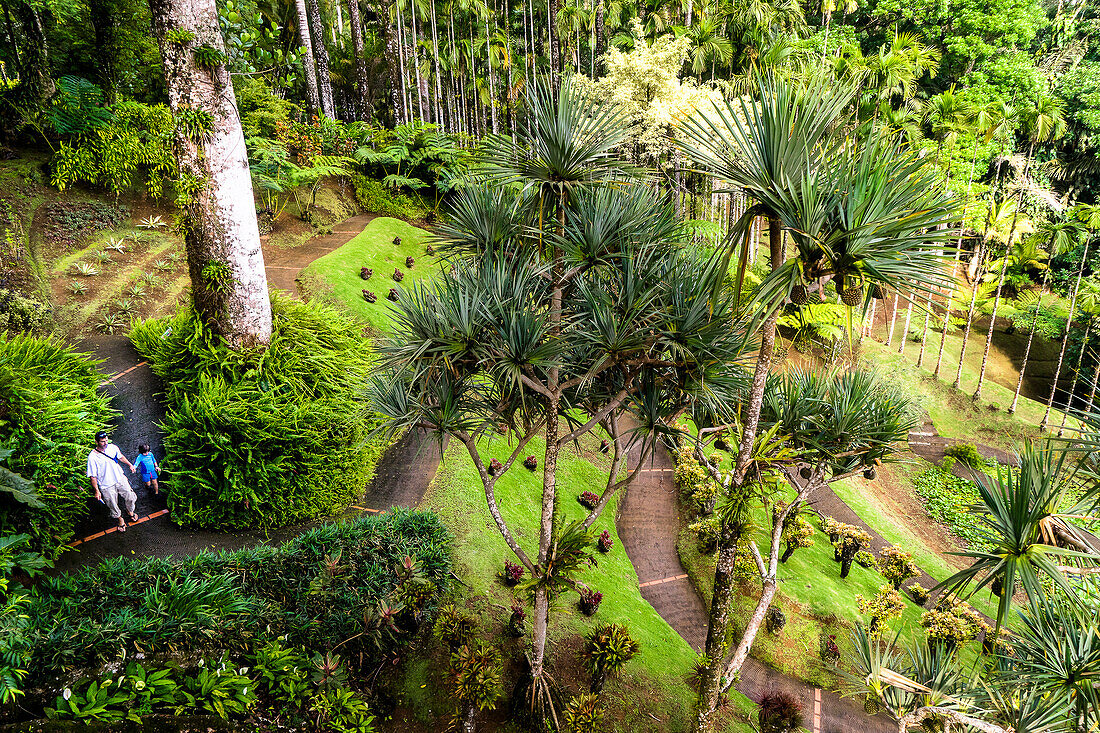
(19, 314)
(68, 222)
(474, 668)
(364, 585)
(885, 605)
(693, 481)
(848, 541)
(49, 412)
(264, 438)
(949, 499)
(272, 684)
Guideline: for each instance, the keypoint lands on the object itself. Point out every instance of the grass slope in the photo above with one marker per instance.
(953, 412)
(338, 271)
(652, 693)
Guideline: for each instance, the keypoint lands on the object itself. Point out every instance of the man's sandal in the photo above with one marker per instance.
(122, 528)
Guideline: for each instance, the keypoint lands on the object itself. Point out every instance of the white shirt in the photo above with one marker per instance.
(104, 468)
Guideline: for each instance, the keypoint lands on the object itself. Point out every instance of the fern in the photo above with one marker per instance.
(78, 108)
(396, 181)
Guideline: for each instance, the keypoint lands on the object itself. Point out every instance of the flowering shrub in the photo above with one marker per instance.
(366, 273)
(706, 530)
(590, 601)
(588, 500)
(830, 652)
(897, 566)
(517, 621)
(398, 276)
(512, 573)
(409, 261)
(918, 593)
(883, 606)
(495, 467)
(866, 559)
(774, 621)
(392, 295)
(369, 296)
(692, 479)
(952, 622)
(605, 543)
(530, 463)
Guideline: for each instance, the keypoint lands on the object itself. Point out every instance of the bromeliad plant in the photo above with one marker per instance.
(570, 306)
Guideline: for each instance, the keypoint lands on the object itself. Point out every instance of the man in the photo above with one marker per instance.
(108, 480)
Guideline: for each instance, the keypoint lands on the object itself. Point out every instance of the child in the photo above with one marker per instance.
(148, 467)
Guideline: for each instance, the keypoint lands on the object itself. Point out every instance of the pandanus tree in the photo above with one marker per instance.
(571, 307)
(1024, 539)
(860, 211)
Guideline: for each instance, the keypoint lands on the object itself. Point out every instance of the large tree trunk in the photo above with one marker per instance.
(313, 94)
(35, 70)
(320, 53)
(224, 257)
(438, 77)
(361, 102)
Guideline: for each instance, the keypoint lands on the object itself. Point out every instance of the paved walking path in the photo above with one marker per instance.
(648, 525)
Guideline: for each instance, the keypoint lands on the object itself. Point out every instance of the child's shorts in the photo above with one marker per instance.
(146, 477)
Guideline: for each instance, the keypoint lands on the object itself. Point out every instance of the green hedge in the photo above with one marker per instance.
(313, 589)
(49, 414)
(377, 199)
(264, 438)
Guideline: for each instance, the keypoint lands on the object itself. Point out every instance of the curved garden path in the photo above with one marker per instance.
(648, 521)
(648, 525)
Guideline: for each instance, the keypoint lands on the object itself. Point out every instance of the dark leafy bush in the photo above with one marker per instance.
(68, 222)
(454, 627)
(775, 620)
(23, 315)
(264, 438)
(779, 713)
(262, 111)
(512, 574)
(584, 714)
(49, 413)
(589, 601)
(918, 593)
(530, 463)
(604, 543)
(830, 652)
(517, 621)
(313, 590)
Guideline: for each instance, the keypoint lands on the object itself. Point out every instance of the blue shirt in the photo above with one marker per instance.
(145, 463)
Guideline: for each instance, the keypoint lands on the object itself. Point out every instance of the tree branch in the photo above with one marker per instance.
(612, 485)
(490, 497)
(603, 412)
(915, 717)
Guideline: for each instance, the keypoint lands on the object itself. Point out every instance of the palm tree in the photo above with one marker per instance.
(1001, 119)
(708, 46)
(1060, 237)
(786, 150)
(1088, 304)
(320, 53)
(1042, 123)
(1018, 520)
(313, 94)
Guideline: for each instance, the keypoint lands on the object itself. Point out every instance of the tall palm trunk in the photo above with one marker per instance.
(1065, 338)
(978, 275)
(224, 256)
(950, 295)
(1004, 269)
(1030, 339)
(421, 87)
(1076, 375)
(492, 76)
(313, 94)
(438, 76)
(924, 332)
(893, 319)
(406, 105)
(320, 53)
(361, 102)
(905, 329)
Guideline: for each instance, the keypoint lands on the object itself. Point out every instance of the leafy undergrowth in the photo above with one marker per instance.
(652, 693)
(336, 276)
(949, 499)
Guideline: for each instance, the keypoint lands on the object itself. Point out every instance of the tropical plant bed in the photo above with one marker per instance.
(338, 276)
(228, 615)
(818, 604)
(652, 692)
(264, 438)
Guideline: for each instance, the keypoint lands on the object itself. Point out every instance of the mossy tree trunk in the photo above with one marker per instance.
(320, 58)
(313, 94)
(218, 213)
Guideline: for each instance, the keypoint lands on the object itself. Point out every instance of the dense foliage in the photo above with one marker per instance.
(264, 438)
(323, 589)
(49, 414)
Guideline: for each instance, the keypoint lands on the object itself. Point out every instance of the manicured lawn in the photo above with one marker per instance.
(652, 693)
(337, 273)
